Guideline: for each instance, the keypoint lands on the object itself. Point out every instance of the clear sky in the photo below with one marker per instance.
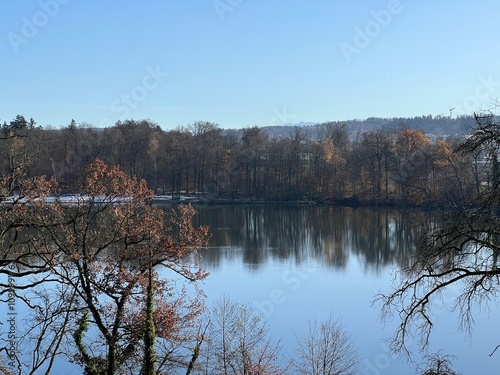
(246, 62)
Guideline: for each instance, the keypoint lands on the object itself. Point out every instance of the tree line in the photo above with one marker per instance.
(383, 166)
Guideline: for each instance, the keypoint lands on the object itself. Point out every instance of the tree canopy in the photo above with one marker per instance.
(368, 163)
(89, 263)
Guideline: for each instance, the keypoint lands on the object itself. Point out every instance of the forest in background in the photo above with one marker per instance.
(376, 161)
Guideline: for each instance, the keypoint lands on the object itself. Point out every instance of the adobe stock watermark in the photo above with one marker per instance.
(31, 25)
(292, 281)
(221, 7)
(482, 94)
(137, 94)
(281, 117)
(12, 343)
(364, 35)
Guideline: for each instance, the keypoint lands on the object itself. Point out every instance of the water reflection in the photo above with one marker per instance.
(327, 259)
(329, 235)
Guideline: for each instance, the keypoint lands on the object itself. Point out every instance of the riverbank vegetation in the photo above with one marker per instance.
(392, 165)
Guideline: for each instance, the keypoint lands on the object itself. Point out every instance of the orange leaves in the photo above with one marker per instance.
(411, 140)
(183, 237)
(444, 154)
(38, 187)
(328, 150)
(102, 245)
(104, 181)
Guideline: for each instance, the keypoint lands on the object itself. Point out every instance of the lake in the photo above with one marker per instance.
(296, 263)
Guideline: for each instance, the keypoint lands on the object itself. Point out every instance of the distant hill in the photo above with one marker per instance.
(439, 126)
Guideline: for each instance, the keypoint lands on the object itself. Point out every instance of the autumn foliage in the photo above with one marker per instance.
(94, 253)
(393, 164)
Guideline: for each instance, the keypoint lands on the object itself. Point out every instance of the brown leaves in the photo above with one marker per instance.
(103, 181)
(38, 188)
(411, 140)
(103, 245)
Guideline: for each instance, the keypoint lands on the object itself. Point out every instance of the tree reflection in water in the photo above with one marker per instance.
(329, 235)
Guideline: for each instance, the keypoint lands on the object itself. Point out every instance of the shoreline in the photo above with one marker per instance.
(348, 202)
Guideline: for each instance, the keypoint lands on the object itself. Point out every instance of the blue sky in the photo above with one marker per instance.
(246, 62)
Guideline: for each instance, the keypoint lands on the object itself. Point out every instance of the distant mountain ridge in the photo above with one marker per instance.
(302, 123)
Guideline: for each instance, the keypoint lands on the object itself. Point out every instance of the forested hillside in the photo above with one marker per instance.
(382, 163)
(433, 126)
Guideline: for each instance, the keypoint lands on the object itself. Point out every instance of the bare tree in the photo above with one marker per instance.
(326, 349)
(459, 248)
(238, 342)
(437, 364)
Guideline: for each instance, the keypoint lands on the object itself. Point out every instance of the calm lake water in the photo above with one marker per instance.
(296, 263)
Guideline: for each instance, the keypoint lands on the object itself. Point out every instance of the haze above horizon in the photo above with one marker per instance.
(241, 63)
